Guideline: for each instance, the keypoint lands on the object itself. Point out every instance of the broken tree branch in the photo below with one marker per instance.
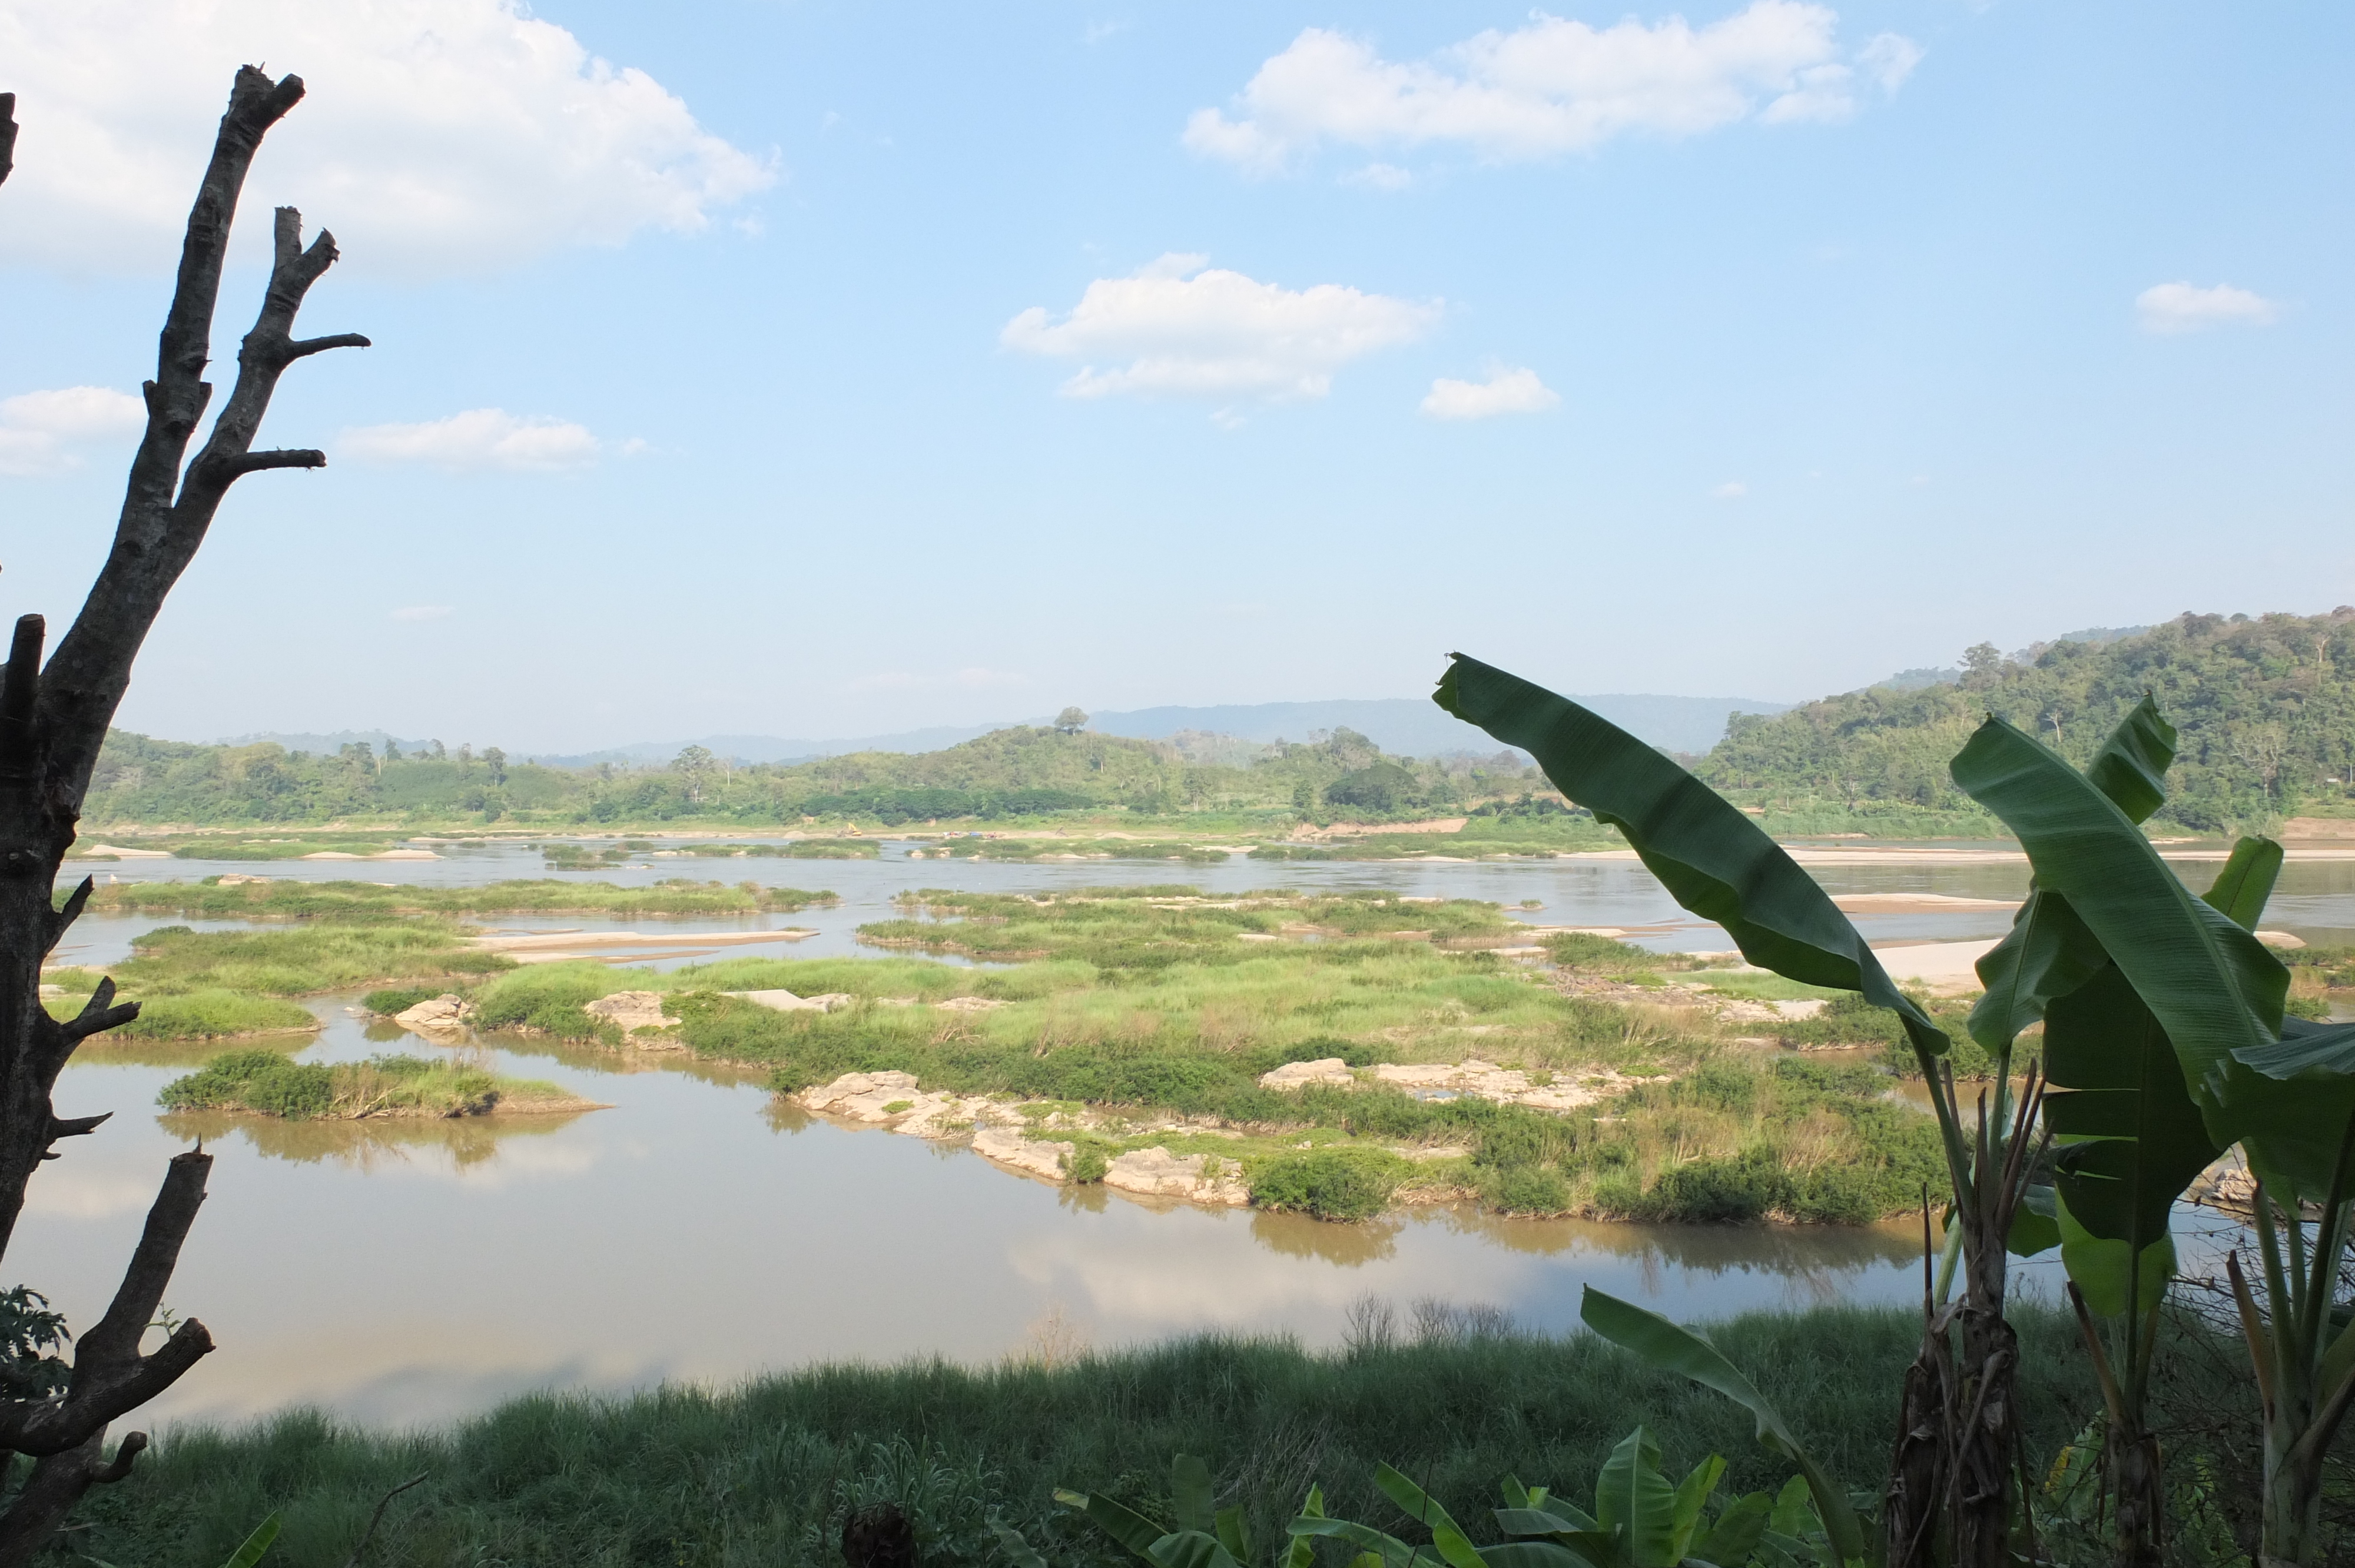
(110, 1378)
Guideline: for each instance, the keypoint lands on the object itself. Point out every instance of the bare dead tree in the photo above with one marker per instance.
(53, 720)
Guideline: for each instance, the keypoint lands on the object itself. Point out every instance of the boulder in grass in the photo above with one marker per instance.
(440, 1017)
(1300, 1075)
(631, 1011)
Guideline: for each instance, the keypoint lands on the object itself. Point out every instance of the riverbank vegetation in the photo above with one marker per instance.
(767, 1471)
(265, 1083)
(2265, 708)
(1011, 776)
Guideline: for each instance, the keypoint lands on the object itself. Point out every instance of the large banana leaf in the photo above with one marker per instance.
(1674, 1347)
(1714, 860)
(2212, 986)
(1734, 1536)
(2049, 952)
(2130, 1140)
(1635, 1500)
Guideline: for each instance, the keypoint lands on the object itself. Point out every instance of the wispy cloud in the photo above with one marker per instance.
(424, 612)
(38, 429)
(1551, 87)
(1732, 490)
(1505, 392)
(1185, 328)
(477, 439)
(2170, 308)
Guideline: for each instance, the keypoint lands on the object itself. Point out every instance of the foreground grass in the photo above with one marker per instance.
(764, 1473)
(210, 900)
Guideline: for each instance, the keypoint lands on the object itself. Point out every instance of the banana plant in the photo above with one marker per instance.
(1673, 1346)
(1449, 1544)
(2174, 1048)
(1718, 864)
(1641, 1518)
(1207, 1536)
(2130, 1136)
(2300, 1344)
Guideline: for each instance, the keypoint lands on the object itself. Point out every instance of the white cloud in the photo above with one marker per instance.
(424, 612)
(477, 439)
(2182, 307)
(1188, 329)
(438, 136)
(37, 427)
(1553, 86)
(1505, 392)
(1732, 490)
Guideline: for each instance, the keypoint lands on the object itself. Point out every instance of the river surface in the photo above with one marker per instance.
(400, 1272)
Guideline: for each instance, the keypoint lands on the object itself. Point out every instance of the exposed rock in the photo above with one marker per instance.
(1300, 1075)
(236, 879)
(1196, 1177)
(442, 1017)
(2281, 939)
(1506, 1085)
(970, 1004)
(786, 1001)
(631, 1011)
(1033, 1157)
(893, 1098)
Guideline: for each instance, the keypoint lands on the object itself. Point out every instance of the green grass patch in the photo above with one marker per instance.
(263, 1083)
(208, 1015)
(173, 960)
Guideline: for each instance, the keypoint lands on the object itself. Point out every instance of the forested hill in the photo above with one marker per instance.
(1024, 771)
(2265, 708)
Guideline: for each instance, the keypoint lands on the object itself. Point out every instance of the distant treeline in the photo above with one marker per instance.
(2265, 708)
(1010, 773)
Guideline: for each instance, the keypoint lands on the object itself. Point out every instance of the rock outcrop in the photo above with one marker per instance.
(1032, 1156)
(441, 1018)
(1300, 1075)
(1196, 1178)
(631, 1011)
(786, 1001)
(1506, 1085)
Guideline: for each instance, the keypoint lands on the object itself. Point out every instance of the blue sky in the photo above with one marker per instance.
(1784, 347)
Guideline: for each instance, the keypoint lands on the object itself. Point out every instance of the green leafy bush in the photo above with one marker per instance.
(1330, 1183)
(261, 1081)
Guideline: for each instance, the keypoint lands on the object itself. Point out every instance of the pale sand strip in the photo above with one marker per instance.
(569, 941)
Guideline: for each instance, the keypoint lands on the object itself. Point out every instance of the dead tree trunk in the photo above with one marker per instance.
(53, 720)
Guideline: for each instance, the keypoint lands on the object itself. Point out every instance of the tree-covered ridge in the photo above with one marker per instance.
(1009, 773)
(2265, 708)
